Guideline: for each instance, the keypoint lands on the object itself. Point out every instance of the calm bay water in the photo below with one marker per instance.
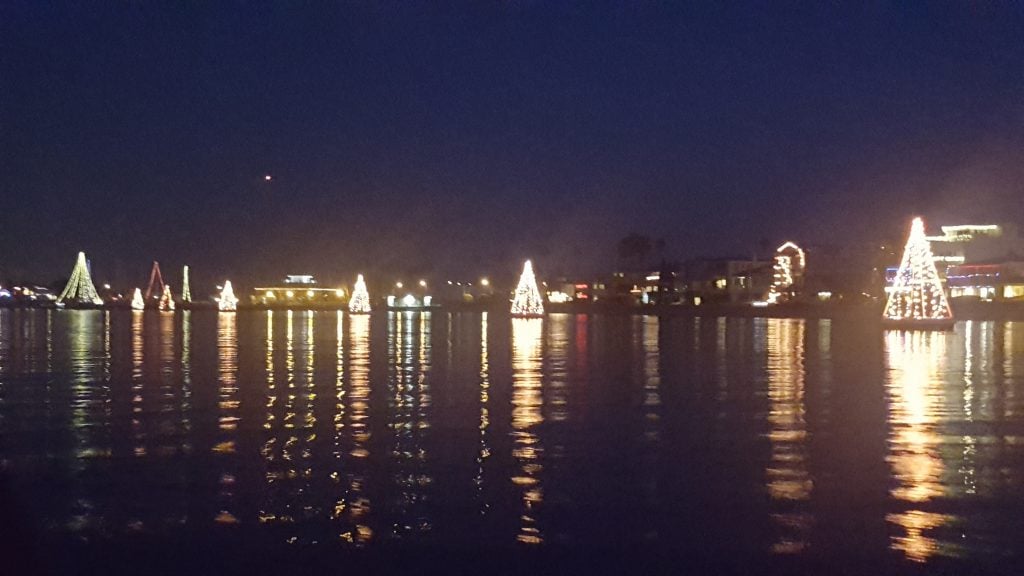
(746, 439)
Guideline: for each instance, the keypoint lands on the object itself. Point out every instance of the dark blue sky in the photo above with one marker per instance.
(413, 138)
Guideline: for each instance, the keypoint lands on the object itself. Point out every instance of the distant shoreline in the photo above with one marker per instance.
(973, 310)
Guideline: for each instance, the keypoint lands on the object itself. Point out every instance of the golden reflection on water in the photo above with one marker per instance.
(290, 423)
(527, 400)
(227, 402)
(358, 509)
(186, 376)
(788, 478)
(484, 451)
(409, 355)
(138, 356)
(652, 378)
(651, 405)
(915, 360)
(556, 350)
(5, 347)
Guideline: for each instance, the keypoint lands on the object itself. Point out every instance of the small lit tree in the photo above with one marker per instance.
(137, 302)
(527, 300)
(227, 301)
(917, 292)
(359, 303)
(167, 299)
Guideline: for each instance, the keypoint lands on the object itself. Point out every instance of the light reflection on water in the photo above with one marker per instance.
(324, 427)
(527, 400)
(789, 480)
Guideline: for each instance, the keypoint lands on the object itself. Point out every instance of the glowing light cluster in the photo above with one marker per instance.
(227, 301)
(167, 299)
(527, 300)
(917, 292)
(186, 291)
(359, 303)
(789, 263)
(137, 302)
(80, 289)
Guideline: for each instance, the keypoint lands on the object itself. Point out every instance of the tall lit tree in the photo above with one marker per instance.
(917, 292)
(527, 300)
(80, 289)
(789, 265)
(186, 290)
(359, 303)
(227, 302)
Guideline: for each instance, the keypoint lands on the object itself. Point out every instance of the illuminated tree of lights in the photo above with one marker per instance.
(137, 302)
(359, 303)
(783, 271)
(527, 300)
(80, 289)
(227, 301)
(156, 282)
(917, 292)
(186, 292)
(167, 299)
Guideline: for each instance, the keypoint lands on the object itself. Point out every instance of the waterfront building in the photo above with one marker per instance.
(971, 243)
(299, 290)
(731, 280)
(994, 281)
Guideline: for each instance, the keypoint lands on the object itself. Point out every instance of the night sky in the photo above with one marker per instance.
(407, 138)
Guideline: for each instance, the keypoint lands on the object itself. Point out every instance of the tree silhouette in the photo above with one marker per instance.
(634, 248)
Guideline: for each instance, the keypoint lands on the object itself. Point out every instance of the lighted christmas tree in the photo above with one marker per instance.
(137, 302)
(80, 289)
(167, 299)
(527, 300)
(359, 303)
(917, 292)
(186, 291)
(155, 289)
(789, 263)
(227, 301)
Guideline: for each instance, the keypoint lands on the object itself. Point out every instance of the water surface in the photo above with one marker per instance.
(746, 440)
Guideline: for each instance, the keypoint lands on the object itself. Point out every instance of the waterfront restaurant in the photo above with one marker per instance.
(299, 290)
(987, 281)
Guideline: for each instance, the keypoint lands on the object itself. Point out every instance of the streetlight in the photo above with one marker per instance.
(423, 283)
(485, 282)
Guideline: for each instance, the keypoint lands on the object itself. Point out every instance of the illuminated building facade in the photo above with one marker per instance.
(964, 243)
(299, 290)
(987, 282)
